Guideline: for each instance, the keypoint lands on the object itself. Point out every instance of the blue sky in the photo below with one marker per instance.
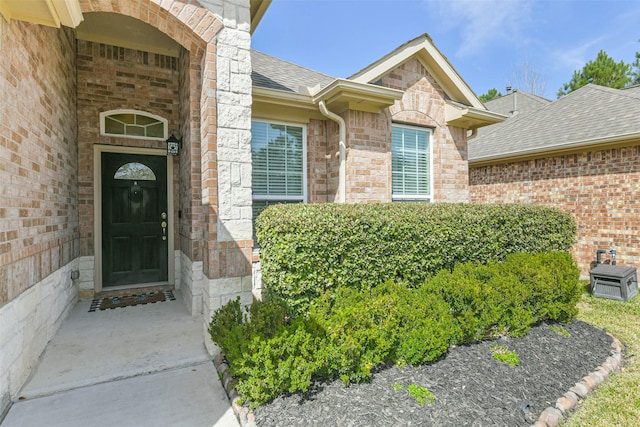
(487, 41)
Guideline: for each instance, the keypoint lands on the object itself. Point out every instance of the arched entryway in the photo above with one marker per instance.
(142, 56)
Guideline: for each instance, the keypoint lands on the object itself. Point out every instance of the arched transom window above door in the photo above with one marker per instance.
(133, 124)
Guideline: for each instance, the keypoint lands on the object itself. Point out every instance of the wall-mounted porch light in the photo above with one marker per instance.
(173, 145)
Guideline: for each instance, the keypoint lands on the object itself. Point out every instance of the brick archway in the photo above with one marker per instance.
(190, 25)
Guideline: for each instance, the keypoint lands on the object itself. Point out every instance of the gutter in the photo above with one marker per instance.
(342, 176)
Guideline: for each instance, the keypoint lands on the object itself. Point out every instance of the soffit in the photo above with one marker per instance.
(339, 96)
(273, 104)
(52, 13)
(124, 31)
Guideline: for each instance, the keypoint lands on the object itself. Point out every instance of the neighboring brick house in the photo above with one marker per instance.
(91, 202)
(581, 154)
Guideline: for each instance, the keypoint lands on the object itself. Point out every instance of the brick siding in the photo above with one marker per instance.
(317, 159)
(599, 188)
(368, 157)
(38, 161)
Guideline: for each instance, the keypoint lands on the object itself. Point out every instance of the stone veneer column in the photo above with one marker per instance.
(229, 234)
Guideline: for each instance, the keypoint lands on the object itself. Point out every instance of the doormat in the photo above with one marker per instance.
(130, 300)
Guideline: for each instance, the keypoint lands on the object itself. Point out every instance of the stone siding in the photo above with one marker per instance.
(28, 323)
(226, 159)
(599, 188)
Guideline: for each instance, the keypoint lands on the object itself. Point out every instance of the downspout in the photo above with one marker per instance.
(342, 175)
(474, 133)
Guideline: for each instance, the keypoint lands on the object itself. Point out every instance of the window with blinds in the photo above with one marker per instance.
(410, 163)
(278, 156)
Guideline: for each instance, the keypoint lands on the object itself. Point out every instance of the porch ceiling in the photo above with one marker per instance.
(121, 30)
(52, 13)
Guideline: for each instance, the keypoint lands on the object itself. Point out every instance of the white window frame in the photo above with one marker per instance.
(416, 197)
(303, 198)
(105, 114)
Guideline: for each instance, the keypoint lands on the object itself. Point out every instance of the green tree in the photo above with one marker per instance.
(491, 94)
(635, 73)
(603, 71)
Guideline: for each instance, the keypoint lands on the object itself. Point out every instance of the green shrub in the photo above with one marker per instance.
(508, 297)
(285, 362)
(386, 324)
(348, 332)
(233, 331)
(346, 335)
(308, 249)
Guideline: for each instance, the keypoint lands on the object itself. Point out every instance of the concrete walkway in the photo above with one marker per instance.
(134, 366)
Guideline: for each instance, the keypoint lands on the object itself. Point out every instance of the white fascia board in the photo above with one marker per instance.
(69, 12)
(52, 13)
(281, 97)
(346, 94)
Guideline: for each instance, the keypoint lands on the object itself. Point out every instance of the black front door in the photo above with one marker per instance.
(134, 219)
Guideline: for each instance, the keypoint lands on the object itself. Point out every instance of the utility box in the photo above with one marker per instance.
(615, 282)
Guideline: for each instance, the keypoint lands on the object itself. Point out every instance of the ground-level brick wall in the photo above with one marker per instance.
(39, 225)
(38, 160)
(599, 188)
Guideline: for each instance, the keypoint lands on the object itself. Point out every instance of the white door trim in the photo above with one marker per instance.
(97, 207)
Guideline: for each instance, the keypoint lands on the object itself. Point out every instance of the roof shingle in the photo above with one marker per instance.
(273, 73)
(590, 113)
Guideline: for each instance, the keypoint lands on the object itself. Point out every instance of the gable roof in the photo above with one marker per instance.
(592, 115)
(433, 60)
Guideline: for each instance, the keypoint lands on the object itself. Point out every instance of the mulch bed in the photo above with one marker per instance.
(470, 387)
(130, 300)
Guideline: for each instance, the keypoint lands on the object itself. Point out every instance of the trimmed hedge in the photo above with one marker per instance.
(348, 332)
(309, 248)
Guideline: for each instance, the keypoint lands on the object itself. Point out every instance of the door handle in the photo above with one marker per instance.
(163, 224)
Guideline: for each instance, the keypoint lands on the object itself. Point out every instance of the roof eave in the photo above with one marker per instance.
(257, 9)
(470, 117)
(342, 95)
(557, 149)
(274, 104)
(52, 13)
